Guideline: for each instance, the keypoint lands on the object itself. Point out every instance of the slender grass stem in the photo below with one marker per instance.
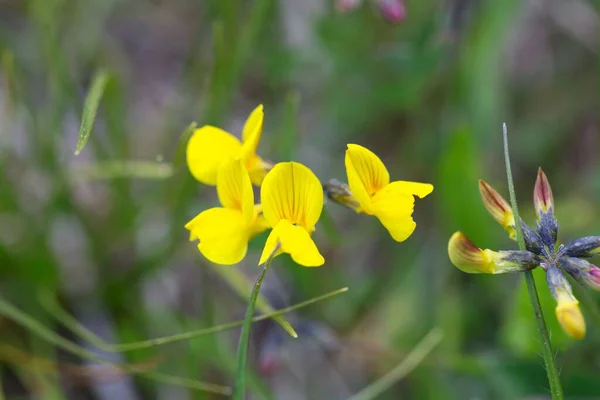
(51, 305)
(242, 353)
(553, 378)
(414, 358)
(34, 326)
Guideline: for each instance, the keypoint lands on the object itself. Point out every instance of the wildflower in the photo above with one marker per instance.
(224, 232)
(541, 251)
(371, 192)
(209, 147)
(292, 201)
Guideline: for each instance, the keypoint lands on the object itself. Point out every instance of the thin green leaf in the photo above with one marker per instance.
(122, 169)
(412, 361)
(90, 108)
(238, 282)
(34, 326)
(239, 390)
(51, 305)
(549, 362)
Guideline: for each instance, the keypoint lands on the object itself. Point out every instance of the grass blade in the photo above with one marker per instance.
(90, 108)
(414, 358)
(553, 378)
(52, 306)
(122, 169)
(34, 326)
(238, 282)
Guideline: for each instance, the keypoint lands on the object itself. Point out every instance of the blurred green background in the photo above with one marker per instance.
(427, 92)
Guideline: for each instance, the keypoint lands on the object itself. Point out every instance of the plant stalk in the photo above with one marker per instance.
(549, 362)
(242, 352)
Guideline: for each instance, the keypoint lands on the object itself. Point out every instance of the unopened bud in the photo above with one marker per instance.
(533, 242)
(583, 271)
(584, 247)
(542, 195)
(567, 310)
(340, 193)
(467, 257)
(499, 208)
(393, 10)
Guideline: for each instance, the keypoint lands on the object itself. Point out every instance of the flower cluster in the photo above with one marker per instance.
(291, 196)
(542, 250)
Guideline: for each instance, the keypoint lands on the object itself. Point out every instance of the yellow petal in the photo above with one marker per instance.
(570, 318)
(291, 191)
(253, 128)
(394, 208)
(414, 188)
(295, 241)
(206, 150)
(235, 189)
(366, 175)
(222, 234)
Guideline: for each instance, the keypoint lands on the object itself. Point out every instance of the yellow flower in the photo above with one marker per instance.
(570, 318)
(209, 147)
(224, 232)
(292, 200)
(370, 185)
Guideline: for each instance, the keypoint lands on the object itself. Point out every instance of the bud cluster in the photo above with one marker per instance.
(542, 250)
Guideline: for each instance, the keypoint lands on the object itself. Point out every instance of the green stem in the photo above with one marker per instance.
(414, 358)
(51, 305)
(242, 353)
(553, 378)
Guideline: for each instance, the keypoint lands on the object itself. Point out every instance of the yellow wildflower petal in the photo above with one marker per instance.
(394, 207)
(291, 191)
(253, 129)
(295, 241)
(222, 235)
(413, 188)
(366, 174)
(206, 150)
(235, 189)
(570, 318)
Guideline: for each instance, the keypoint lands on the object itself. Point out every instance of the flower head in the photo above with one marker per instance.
(292, 201)
(209, 147)
(541, 251)
(224, 232)
(391, 202)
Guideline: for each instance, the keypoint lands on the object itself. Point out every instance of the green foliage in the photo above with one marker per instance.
(103, 232)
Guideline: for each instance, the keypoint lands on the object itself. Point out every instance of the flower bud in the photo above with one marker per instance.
(533, 241)
(542, 195)
(583, 271)
(340, 193)
(498, 207)
(584, 247)
(567, 310)
(392, 10)
(471, 259)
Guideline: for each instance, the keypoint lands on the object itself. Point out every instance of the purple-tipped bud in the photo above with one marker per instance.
(498, 208)
(393, 10)
(567, 308)
(344, 6)
(583, 271)
(542, 195)
(584, 247)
